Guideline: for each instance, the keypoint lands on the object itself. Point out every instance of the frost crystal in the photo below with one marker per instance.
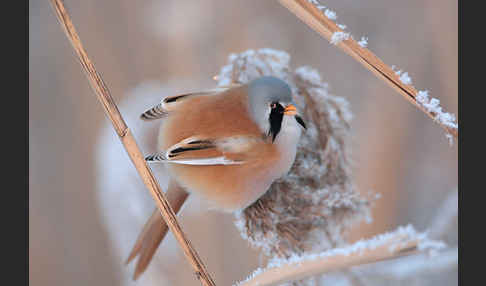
(313, 205)
(363, 42)
(330, 14)
(422, 96)
(337, 37)
(432, 105)
(404, 78)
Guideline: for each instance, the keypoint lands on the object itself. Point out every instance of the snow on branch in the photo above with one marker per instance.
(338, 37)
(403, 241)
(321, 19)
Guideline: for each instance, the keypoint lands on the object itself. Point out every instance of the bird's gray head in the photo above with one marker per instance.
(270, 99)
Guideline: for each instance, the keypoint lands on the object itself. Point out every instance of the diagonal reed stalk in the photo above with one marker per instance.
(314, 18)
(130, 144)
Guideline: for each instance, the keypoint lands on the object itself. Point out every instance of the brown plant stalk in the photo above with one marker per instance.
(314, 18)
(130, 144)
(297, 270)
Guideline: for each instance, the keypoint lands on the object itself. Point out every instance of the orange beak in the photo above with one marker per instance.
(290, 110)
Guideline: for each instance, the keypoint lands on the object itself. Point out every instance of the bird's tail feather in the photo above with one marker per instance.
(155, 230)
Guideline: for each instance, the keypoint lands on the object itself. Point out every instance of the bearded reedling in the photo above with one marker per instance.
(226, 145)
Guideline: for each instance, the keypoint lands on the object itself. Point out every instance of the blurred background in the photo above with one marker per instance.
(86, 202)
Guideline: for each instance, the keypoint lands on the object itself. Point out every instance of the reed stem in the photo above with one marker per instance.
(314, 18)
(126, 137)
(304, 268)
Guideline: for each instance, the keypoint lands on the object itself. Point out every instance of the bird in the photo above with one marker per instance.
(226, 145)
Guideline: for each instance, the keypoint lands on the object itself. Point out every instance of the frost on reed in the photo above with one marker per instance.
(322, 20)
(430, 104)
(338, 36)
(402, 240)
(309, 209)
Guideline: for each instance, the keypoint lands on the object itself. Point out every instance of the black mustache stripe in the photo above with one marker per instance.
(275, 119)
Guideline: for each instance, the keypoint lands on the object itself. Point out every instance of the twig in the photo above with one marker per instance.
(130, 144)
(384, 247)
(313, 17)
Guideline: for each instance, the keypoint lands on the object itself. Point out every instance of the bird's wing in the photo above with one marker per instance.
(170, 103)
(203, 151)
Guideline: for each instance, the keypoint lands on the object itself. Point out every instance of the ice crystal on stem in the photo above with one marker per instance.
(338, 37)
(363, 42)
(330, 14)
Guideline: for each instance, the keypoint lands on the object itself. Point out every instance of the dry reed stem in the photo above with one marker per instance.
(130, 144)
(314, 18)
(301, 269)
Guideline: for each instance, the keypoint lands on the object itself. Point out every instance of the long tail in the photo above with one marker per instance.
(155, 230)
